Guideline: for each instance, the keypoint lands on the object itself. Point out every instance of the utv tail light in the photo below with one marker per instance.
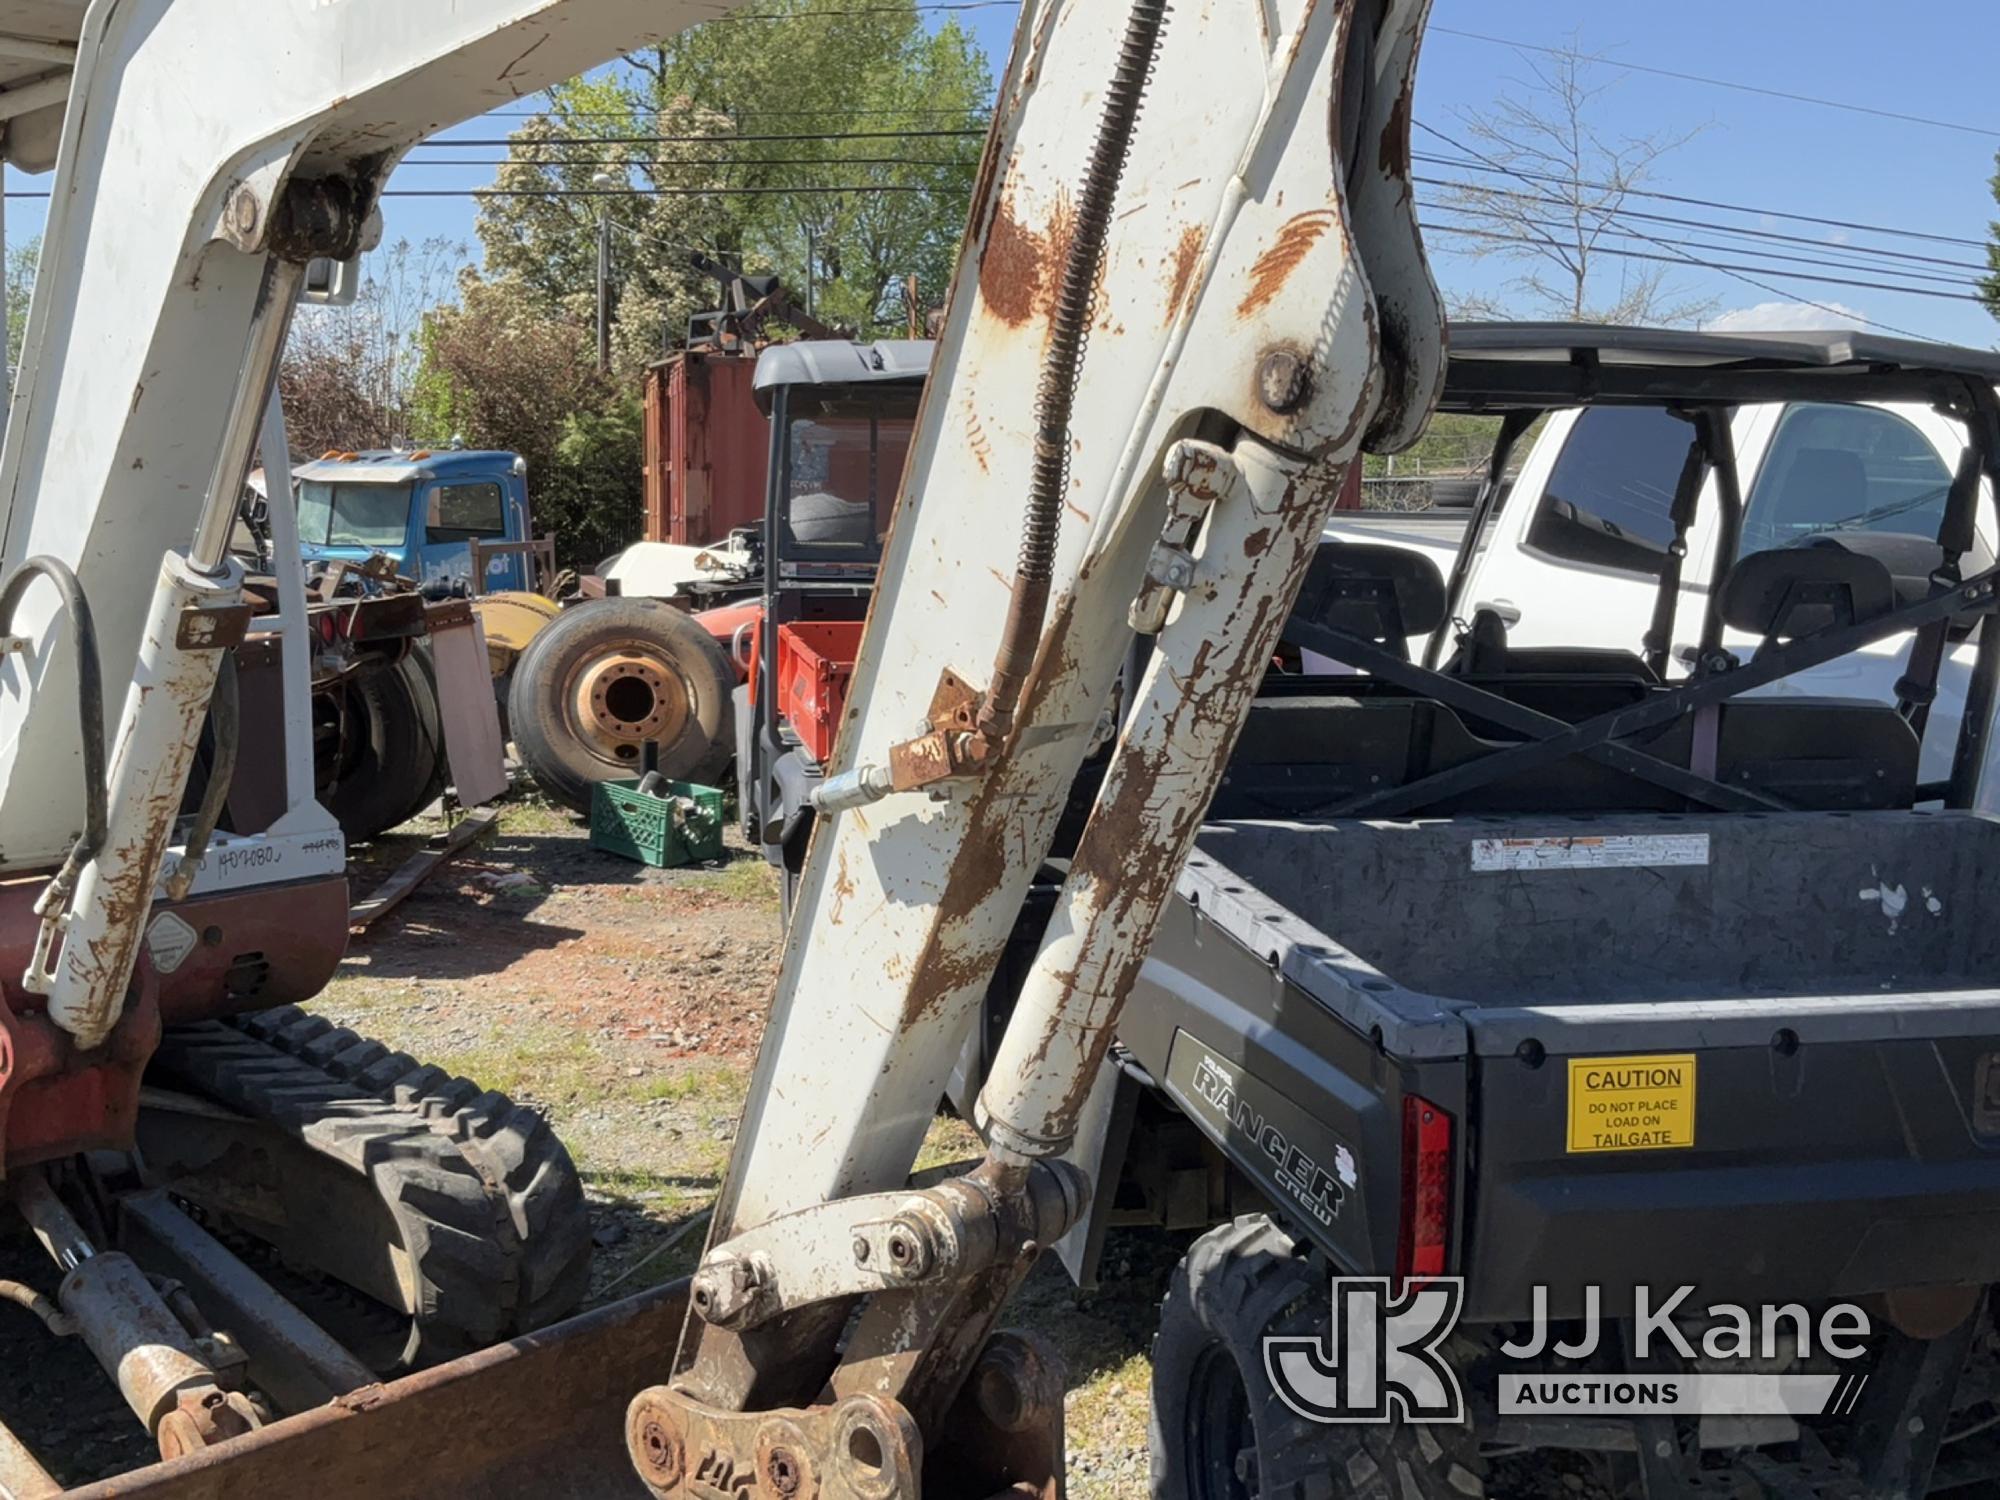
(1426, 1221)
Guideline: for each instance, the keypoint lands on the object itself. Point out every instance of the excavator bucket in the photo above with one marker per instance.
(541, 1416)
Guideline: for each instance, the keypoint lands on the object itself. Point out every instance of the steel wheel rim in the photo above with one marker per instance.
(1218, 1431)
(617, 700)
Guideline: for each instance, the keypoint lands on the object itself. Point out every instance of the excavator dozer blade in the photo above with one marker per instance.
(541, 1416)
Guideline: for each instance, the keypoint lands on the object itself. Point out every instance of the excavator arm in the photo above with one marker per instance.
(1191, 292)
(207, 152)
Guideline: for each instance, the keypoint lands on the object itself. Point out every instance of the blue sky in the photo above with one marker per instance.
(1768, 153)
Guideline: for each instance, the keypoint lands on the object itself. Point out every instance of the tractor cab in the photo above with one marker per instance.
(842, 419)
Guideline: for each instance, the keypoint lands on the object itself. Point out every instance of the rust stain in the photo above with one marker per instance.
(1010, 272)
(1392, 157)
(1076, 510)
(949, 964)
(977, 440)
(1002, 579)
(1275, 265)
(1062, 230)
(1180, 279)
(1255, 544)
(843, 887)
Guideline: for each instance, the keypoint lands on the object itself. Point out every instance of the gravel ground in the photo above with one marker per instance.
(626, 1003)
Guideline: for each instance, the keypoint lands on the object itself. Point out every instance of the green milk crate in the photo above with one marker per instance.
(680, 825)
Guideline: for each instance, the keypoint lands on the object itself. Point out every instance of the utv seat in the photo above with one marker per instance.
(1817, 753)
(1484, 652)
(1313, 743)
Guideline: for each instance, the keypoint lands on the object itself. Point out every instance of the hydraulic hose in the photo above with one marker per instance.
(58, 1322)
(89, 702)
(1055, 394)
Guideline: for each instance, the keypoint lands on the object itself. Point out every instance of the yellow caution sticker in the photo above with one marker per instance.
(1631, 1103)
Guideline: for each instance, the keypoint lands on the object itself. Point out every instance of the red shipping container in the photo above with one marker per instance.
(707, 448)
(815, 661)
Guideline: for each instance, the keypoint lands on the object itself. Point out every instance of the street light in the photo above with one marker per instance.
(604, 181)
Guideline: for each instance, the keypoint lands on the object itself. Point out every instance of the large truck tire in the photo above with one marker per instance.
(1220, 1431)
(390, 751)
(597, 684)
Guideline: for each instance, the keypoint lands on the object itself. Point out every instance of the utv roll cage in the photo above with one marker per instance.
(1808, 604)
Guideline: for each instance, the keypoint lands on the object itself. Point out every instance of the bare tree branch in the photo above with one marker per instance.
(1574, 180)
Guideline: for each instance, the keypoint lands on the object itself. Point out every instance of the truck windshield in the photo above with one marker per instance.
(353, 515)
(844, 457)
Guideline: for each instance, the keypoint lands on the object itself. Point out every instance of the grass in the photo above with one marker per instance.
(530, 813)
(542, 1063)
(746, 878)
(716, 1085)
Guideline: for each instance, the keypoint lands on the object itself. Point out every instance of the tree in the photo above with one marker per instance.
(22, 262)
(842, 221)
(1989, 286)
(501, 370)
(1557, 196)
(348, 372)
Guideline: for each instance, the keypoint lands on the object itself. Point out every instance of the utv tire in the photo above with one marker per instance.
(394, 750)
(1220, 1432)
(604, 678)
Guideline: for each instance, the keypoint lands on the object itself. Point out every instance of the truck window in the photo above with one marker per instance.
(353, 515)
(1834, 467)
(1608, 500)
(460, 512)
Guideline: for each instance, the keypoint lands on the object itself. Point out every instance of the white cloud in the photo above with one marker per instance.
(1769, 316)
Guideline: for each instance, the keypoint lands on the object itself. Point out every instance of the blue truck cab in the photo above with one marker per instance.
(422, 507)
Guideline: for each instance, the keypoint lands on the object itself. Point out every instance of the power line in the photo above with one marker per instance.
(866, 10)
(1879, 286)
(1734, 272)
(1487, 165)
(696, 192)
(700, 192)
(1746, 231)
(1729, 83)
(1964, 285)
(438, 142)
(662, 112)
(698, 161)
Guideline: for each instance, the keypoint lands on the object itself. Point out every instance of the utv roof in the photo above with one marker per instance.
(1498, 365)
(839, 362)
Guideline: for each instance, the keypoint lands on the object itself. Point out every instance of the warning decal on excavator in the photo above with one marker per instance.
(1631, 1103)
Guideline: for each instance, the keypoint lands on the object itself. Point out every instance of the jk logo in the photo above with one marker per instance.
(1380, 1355)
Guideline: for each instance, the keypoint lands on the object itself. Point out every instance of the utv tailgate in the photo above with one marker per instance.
(1752, 1053)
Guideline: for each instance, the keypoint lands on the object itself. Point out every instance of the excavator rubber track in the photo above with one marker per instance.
(478, 1231)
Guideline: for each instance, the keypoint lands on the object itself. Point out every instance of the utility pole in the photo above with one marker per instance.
(812, 266)
(607, 182)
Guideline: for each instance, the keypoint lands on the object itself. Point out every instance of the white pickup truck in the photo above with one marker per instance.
(1574, 555)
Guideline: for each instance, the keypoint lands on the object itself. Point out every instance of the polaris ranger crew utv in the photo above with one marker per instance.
(1606, 967)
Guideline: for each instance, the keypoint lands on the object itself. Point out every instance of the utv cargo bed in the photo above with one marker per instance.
(1823, 1120)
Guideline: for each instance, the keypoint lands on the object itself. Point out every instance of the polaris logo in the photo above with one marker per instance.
(1315, 1189)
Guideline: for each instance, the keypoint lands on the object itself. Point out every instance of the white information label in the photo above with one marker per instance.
(1615, 851)
(170, 941)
